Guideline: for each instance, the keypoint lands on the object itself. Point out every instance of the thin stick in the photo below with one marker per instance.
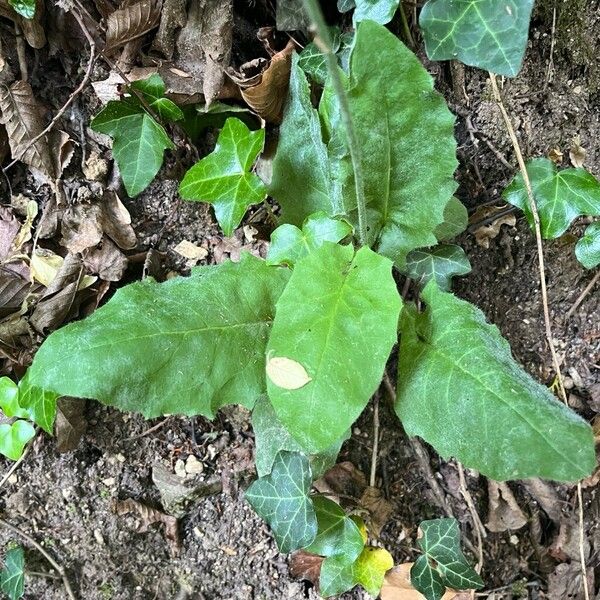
(550, 71)
(583, 295)
(148, 431)
(477, 524)
(21, 53)
(405, 26)
(375, 441)
(323, 41)
(45, 554)
(547, 321)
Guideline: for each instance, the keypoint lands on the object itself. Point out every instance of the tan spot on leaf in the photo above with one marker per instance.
(287, 373)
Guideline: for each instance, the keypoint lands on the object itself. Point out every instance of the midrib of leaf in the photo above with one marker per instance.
(453, 28)
(388, 156)
(493, 34)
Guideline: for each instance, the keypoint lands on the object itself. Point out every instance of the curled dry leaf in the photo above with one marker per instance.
(504, 512)
(172, 18)
(287, 373)
(21, 116)
(577, 153)
(106, 261)
(191, 252)
(131, 22)
(378, 507)
(70, 424)
(343, 479)
(151, 516)
(397, 586)
(488, 231)
(268, 96)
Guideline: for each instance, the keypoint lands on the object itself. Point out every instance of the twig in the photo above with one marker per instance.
(583, 295)
(375, 440)
(323, 41)
(18, 463)
(547, 321)
(21, 53)
(148, 431)
(45, 554)
(550, 71)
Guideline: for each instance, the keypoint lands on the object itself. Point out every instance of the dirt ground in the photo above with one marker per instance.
(67, 501)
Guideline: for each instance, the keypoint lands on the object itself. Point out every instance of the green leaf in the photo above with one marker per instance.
(337, 576)
(407, 182)
(154, 91)
(316, 325)
(198, 118)
(314, 63)
(39, 403)
(190, 345)
(460, 390)
(371, 567)
(9, 399)
(224, 179)
(271, 437)
(302, 180)
(337, 533)
(587, 249)
(441, 547)
(380, 11)
(14, 438)
(441, 263)
(289, 244)
(481, 33)
(12, 576)
(139, 142)
(290, 15)
(560, 196)
(456, 219)
(26, 8)
(282, 500)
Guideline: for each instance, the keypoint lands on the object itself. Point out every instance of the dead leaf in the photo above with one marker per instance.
(173, 17)
(546, 497)
(131, 22)
(343, 479)
(397, 586)
(490, 224)
(555, 155)
(62, 149)
(304, 565)
(45, 266)
(107, 261)
(25, 231)
(70, 423)
(9, 228)
(378, 507)
(287, 373)
(80, 227)
(32, 29)
(566, 582)
(150, 516)
(566, 545)
(190, 251)
(13, 292)
(21, 116)
(504, 513)
(577, 153)
(116, 221)
(268, 97)
(109, 89)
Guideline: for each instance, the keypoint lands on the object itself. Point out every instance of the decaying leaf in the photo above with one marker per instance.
(149, 516)
(491, 225)
(190, 251)
(22, 118)
(9, 227)
(106, 260)
(109, 89)
(32, 29)
(378, 507)
(70, 423)
(504, 512)
(45, 266)
(304, 565)
(173, 17)
(287, 373)
(13, 291)
(577, 153)
(268, 96)
(343, 479)
(131, 22)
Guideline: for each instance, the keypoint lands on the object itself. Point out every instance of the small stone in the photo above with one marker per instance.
(514, 540)
(180, 469)
(95, 168)
(14, 478)
(98, 537)
(120, 458)
(109, 481)
(193, 465)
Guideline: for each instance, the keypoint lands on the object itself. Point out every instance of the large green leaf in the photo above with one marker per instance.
(301, 181)
(282, 500)
(14, 437)
(460, 390)
(380, 11)
(224, 178)
(139, 142)
(271, 437)
(441, 263)
(587, 249)
(189, 345)
(337, 319)
(487, 34)
(442, 564)
(560, 196)
(12, 576)
(408, 183)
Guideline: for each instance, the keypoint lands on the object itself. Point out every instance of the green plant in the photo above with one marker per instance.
(12, 576)
(365, 184)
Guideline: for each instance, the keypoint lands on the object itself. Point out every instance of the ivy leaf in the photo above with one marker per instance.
(337, 533)
(26, 8)
(371, 567)
(460, 390)
(441, 263)
(282, 500)
(139, 142)
(271, 437)
(9, 399)
(560, 196)
(39, 403)
(407, 183)
(14, 437)
(302, 180)
(480, 33)
(456, 219)
(337, 576)
(154, 90)
(190, 345)
(289, 244)
(224, 179)
(12, 576)
(587, 249)
(380, 11)
(441, 547)
(316, 326)
(314, 63)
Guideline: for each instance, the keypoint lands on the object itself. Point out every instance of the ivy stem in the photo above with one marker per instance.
(323, 41)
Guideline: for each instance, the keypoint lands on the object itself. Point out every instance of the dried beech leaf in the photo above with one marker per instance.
(13, 291)
(116, 221)
(504, 512)
(304, 565)
(22, 118)
(107, 261)
(131, 22)
(378, 507)
(70, 423)
(343, 479)
(150, 516)
(268, 97)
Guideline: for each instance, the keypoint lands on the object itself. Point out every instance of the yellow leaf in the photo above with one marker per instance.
(287, 373)
(370, 568)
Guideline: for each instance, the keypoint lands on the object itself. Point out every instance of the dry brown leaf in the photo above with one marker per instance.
(504, 513)
(304, 565)
(565, 583)
(343, 479)
(81, 227)
(9, 228)
(13, 292)
(109, 89)
(489, 231)
(173, 17)
(566, 545)
(107, 261)
(62, 149)
(268, 97)
(70, 423)
(32, 29)
(149, 516)
(378, 507)
(116, 221)
(21, 116)
(25, 231)
(546, 497)
(191, 252)
(397, 586)
(577, 153)
(131, 22)
(555, 155)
